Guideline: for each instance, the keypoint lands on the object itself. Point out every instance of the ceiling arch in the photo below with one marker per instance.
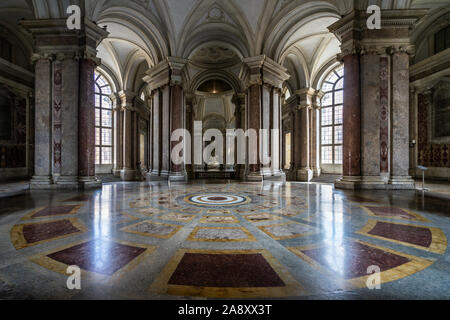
(222, 75)
(213, 21)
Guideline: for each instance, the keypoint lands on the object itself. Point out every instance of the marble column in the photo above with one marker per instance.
(43, 120)
(254, 123)
(157, 147)
(165, 79)
(65, 116)
(239, 103)
(276, 135)
(238, 120)
(376, 99)
(302, 106)
(86, 125)
(413, 130)
(178, 171)
(118, 134)
(129, 171)
(371, 82)
(400, 121)
(190, 129)
(266, 125)
(351, 145)
(314, 134)
(261, 76)
(165, 132)
(304, 172)
(296, 143)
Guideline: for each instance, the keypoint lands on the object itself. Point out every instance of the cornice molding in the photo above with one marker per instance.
(393, 36)
(263, 70)
(167, 72)
(53, 41)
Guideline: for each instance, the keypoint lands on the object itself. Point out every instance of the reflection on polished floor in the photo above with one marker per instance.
(224, 240)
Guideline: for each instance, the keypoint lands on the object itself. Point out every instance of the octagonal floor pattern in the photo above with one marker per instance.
(224, 240)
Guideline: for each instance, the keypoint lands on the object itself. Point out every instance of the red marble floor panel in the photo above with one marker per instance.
(37, 232)
(353, 258)
(418, 236)
(391, 212)
(225, 270)
(54, 211)
(103, 256)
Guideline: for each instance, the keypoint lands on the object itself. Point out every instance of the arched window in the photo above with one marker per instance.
(331, 117)
(103, 121)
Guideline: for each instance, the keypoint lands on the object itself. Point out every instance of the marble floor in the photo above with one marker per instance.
(224, 240)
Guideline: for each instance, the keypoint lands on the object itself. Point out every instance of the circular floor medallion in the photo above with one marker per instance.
(217, 200)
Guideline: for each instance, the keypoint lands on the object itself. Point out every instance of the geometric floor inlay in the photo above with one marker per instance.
(179, 217)
(153, 229)
(26, 235)
(226, 273)
(426, 238)
(226, 240)
(392, 212)
(52, 211)
(220, 234)
(261, 217)
(114, 258)
(104, 258)
(287, 230)
(242, 270)
(219, 219)
(214, 200)
(350, 261)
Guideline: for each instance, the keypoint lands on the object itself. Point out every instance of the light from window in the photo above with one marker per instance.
(287, 95)
(331, 117)
(103, 121)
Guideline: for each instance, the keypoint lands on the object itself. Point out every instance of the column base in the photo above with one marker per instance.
(116, 172)
(178, 177)
(41, 182)
(305, 175)
(277, 176)
(317, 172)
(254, 176)
(348, 183)
(89, 183)
(67, 182)
(157, 176)
(241, 173)
(128, 175)
(374, 183)
(402, 183)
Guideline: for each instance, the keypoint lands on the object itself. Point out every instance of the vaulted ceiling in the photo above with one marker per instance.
(210, 32)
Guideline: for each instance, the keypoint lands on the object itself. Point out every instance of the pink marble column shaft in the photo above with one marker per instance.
(254, 121)
(86, 120)
(352, 117)
(176, 119)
